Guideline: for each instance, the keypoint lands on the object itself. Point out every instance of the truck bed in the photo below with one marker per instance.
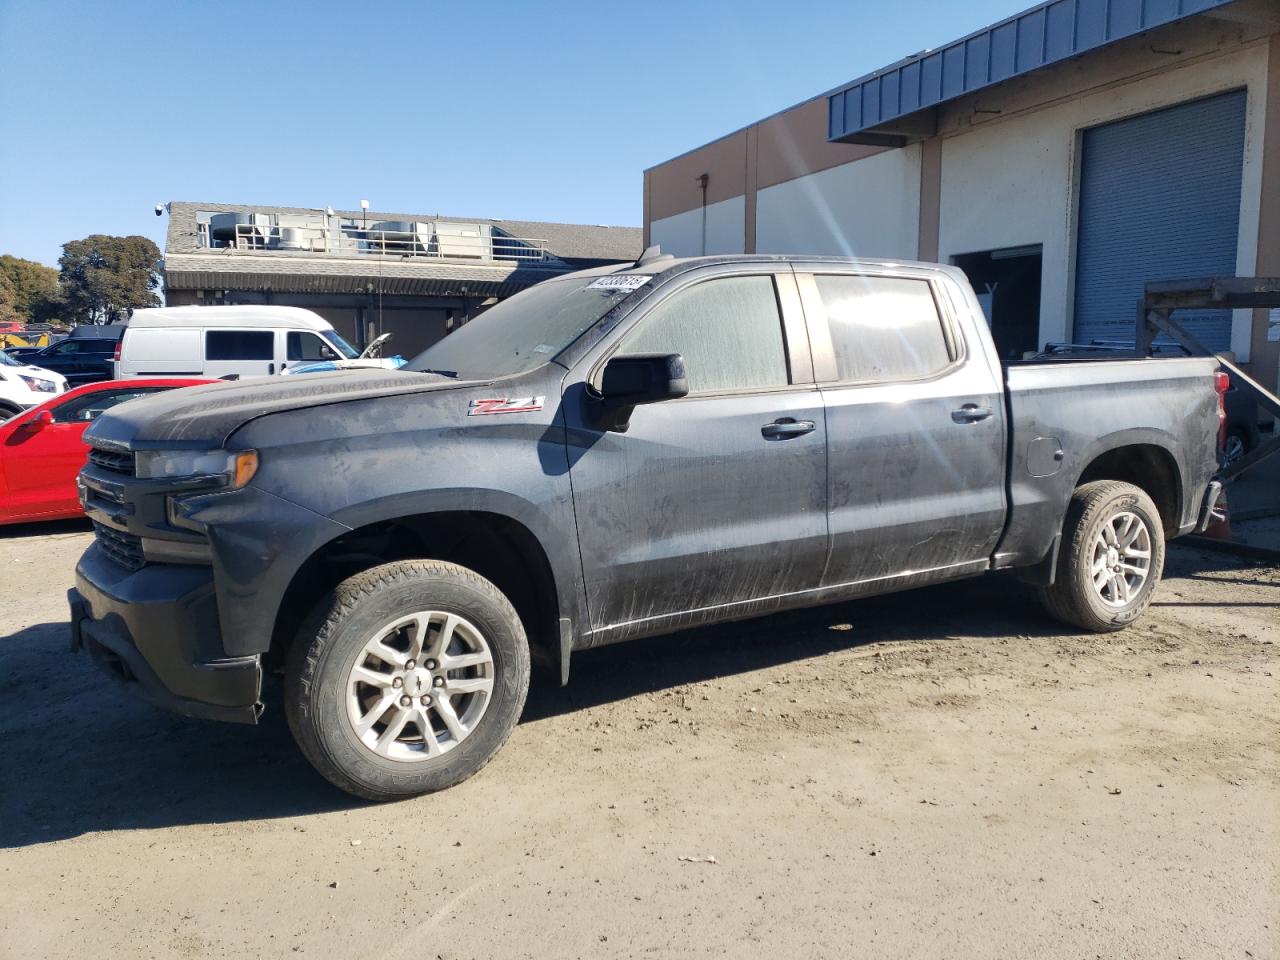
(1083, 406)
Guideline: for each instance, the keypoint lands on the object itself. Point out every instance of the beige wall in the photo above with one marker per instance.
(673, 186)
(1003, 167)
(717, 228)
(870, 208)
(1013, 180)
(779, 148)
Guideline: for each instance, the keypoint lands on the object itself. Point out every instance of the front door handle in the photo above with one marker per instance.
(971, 413)
(786, 428)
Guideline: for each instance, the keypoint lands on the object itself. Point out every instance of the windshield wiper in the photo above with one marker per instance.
(451, 374)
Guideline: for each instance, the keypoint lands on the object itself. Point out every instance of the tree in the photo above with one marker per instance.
(9, 312)
(32, 289)
(104, 279)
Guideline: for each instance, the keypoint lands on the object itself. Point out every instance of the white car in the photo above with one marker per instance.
(22, 386)
(234, 342)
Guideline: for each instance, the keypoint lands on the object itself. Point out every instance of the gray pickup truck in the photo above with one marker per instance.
(617, 453)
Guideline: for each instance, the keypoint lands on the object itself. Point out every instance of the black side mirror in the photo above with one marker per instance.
(630, 381)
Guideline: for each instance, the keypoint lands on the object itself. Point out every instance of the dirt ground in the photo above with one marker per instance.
(936, 774)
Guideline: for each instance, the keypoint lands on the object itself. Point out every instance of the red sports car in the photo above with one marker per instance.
(41, 451)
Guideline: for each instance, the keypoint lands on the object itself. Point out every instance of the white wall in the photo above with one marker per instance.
(1013, 181)
(867, 208)
(681, 235)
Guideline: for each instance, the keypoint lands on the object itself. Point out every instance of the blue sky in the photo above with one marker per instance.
(540, 111)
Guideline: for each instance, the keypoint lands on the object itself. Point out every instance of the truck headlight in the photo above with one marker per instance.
(38, 385)
(237, 467)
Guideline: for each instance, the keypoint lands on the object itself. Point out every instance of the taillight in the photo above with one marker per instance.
(1222, 383)
(116, 355)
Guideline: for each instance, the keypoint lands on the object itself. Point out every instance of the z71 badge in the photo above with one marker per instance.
(480, 408)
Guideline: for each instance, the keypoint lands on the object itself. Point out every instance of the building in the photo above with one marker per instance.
(412, 275)
(1061, 157)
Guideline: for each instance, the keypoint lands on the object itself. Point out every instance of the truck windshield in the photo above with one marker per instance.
(527, 330)
(344, 348)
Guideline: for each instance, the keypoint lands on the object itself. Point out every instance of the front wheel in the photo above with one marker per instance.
(1111, 558)
(406, 678)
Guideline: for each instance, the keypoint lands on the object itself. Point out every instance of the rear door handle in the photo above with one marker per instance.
(786, 428)
(971, 413)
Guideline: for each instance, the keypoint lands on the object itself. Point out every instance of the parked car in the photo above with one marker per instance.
(21, 353)
(23, 386)
(42, 450)
(226, 342)
(79, 359)
(608, 455)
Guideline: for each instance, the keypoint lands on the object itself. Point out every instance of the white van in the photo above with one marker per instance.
(237, 342)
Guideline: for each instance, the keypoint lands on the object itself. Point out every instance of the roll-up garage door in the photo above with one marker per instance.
(1159, 200)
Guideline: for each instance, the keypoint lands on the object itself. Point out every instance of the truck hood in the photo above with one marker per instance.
(204, 417)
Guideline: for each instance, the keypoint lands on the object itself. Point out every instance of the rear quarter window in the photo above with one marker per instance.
(161, 345)
(884, 329)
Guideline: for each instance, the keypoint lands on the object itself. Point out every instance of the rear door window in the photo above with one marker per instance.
(884, 329)
(728, 330)
(239, 345)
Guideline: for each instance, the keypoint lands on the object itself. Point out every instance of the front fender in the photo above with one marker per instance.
(257, 542)
(554, 530)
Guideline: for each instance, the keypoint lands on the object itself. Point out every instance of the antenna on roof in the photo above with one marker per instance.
(651, 254)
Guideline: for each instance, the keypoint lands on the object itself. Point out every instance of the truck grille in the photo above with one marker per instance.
(112, 461)
(124, 548)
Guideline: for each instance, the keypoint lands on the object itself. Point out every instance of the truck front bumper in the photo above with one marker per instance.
(156, 630)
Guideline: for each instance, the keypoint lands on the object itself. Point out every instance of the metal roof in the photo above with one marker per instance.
(1047, 33)
(282, 273)
(574, 243)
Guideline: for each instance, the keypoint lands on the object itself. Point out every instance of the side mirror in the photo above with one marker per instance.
(37, 423)
(629, 381)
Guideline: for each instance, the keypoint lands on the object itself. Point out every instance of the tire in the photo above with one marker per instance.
(1075, 597)
(8, 412)
(334, 713)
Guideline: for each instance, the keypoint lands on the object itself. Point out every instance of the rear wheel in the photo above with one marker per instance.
(1111, 559)
(407, 678)
(8, 411)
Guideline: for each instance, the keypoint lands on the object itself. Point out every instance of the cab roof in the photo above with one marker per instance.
(294, 318)
(663, 265)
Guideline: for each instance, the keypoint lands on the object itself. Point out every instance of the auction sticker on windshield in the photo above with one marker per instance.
(619, 281)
